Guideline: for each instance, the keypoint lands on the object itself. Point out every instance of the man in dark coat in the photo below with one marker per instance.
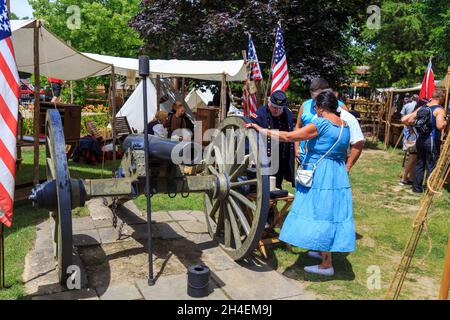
(276, 115)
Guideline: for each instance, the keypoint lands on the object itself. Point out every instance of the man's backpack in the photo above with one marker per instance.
(424, 122)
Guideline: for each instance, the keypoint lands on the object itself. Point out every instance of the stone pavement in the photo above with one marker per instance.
(114, 262)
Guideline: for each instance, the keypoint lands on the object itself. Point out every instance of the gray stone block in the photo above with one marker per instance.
(86, 238)
(121, 291)
(161, 216)
(170, 231)
(245, 284)
(175, 288)
(199, 215)
(82, 224)
(84, 294)
(193, 226)
(98, 210)
(181, 215)
(218, 260)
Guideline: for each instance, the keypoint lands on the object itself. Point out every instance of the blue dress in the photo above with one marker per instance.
(321, 217)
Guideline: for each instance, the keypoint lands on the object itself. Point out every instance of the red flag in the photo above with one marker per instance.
(428, 85)
(9, 108)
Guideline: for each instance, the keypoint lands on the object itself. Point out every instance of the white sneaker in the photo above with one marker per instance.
(315, 255)
(323, 272)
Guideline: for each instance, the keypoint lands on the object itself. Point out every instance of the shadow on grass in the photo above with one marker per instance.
(343, 269)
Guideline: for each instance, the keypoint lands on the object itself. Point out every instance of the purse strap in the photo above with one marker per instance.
(328, 152)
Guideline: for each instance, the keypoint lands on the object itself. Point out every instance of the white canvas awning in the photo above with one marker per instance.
(202, 70)
(56, 58)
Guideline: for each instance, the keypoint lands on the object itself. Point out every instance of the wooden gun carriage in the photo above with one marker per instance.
(232, 219)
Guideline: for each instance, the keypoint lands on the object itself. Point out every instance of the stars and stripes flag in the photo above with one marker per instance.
(280, 72)
(249, 99)
(255, 69)
(428, 85)
(9, 108)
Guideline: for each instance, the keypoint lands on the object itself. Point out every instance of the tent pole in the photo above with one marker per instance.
(183, 88)
(37, 89)
(223, 98)
(158, 93)
(113, 107)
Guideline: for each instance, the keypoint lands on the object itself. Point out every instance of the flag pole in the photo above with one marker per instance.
(271, 65)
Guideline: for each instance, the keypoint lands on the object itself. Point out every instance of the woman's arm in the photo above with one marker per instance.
(306, 133)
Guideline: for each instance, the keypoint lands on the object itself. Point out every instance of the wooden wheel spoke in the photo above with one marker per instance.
(213, 169)
(240, 214)
(234, 227)
(240, 168)
(243, 183)
(248, 203)
(226, 226)
(219, 159)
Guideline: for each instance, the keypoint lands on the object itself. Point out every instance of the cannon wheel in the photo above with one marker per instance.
(236, 222)
(57, 169)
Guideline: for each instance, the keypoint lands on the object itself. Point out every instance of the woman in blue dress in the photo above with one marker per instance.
(321, 218)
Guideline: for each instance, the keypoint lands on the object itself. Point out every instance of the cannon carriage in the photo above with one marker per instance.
(232, 167)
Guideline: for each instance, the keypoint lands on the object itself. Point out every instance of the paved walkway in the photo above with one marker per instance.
(114, 262)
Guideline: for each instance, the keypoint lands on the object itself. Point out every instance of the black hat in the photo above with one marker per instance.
(278, 99)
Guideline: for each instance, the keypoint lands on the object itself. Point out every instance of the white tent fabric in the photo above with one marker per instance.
(134, 111)
(199, 98)
(56, 58)
(202, 70)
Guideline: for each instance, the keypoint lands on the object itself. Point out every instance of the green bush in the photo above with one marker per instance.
(101, 121)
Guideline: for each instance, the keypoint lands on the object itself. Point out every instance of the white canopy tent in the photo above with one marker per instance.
(56, 58)
(234, 70)
(199, 98)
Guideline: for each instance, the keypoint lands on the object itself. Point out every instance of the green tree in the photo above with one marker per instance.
(103, 26)
(95, 26)
(411, 32)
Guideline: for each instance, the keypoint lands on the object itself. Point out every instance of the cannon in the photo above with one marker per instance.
(233, 220)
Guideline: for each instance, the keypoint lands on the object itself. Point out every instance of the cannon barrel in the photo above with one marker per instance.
(162, 149)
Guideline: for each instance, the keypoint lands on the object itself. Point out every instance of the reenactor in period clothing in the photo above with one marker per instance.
(276, 115)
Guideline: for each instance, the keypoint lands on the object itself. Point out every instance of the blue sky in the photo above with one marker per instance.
(21, 8)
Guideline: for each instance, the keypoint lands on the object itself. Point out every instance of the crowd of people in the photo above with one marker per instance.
(424, 122)
(326, 141)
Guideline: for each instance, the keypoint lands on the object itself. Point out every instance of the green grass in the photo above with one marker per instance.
(383, 214)
(20, 238)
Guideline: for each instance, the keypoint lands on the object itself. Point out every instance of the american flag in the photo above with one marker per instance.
(249, 100)
(255, 69)
(280, 73)
(9, 108)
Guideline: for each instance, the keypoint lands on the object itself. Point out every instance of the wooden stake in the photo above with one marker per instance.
(223, 98)
(158, 92)
(113, 106)
(445, 286)
(37, 89)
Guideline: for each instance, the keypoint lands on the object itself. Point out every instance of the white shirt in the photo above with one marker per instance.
(160, 131)
(356, 134)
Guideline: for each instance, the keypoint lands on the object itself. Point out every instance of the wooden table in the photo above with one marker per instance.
(270, 236)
